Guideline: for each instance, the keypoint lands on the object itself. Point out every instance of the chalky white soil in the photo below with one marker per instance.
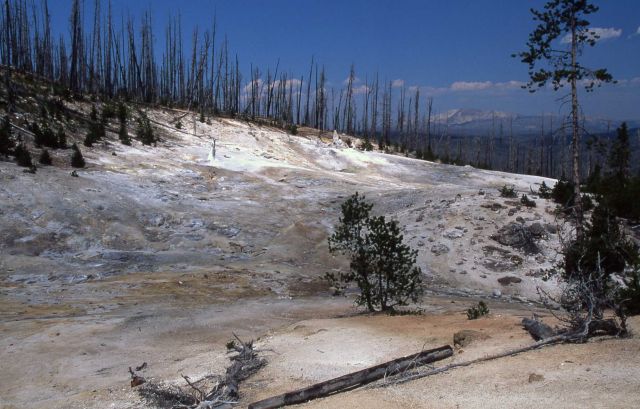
(157, 254)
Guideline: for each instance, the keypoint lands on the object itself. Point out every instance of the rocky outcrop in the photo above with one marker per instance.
(517, 236)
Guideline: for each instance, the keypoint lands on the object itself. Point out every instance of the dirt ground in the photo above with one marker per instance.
(601, 373)
(160, 254)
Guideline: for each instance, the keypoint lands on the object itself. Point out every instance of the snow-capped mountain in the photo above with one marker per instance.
(477, 122)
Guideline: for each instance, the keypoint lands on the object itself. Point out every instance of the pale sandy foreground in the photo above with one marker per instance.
(599, 374)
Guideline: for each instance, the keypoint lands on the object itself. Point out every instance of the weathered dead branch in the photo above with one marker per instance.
(211, 391)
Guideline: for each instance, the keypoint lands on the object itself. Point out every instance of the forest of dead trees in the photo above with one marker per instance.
(113, 57)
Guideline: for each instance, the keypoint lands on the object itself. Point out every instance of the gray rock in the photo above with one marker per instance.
(439, 249)
(537, 230)
(517, 236)
(453, 234)
(534, 377)
(507, 280)
(501, 265)
(497, 293)
(493, 206)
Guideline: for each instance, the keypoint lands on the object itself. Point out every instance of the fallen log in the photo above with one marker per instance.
(354, 379)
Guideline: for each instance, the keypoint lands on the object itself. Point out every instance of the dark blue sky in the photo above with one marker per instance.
(458, 51)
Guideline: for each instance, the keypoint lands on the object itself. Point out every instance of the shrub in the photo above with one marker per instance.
(108, 111)
(95, 133)
(562, 193)
(77, 160)
(544, 192)
(145, 130)
(604, 246)
(36, 131)
(527, 202)
(123, 112)
(508, 191)
(45, 158)
(94, 113)
(382, 266)
(123, 134)
(630, 295)
(23, 156)
(55, 108)
(293, 129)
(6, 141)
(179, 124)
(592, 268)
(366, 145)
(478, 311)
(48, 137)
(587, 202)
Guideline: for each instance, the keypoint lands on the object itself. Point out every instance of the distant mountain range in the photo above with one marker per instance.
(477, 122)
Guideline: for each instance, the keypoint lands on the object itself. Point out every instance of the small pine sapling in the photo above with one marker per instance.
(478, 311)
(527, 202)
(508, 191)
(544, 192)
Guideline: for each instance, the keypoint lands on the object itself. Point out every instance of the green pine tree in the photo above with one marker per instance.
(381, 265)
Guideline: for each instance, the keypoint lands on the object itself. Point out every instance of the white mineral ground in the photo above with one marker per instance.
(158, 254)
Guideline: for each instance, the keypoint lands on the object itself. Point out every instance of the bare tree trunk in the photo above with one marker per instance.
(429, 147)
(575, 143)
(306, 109)
(76, 34)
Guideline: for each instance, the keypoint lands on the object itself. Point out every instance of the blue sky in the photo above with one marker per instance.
(457, 51)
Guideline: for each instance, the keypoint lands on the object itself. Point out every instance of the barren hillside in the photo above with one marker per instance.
(158, 253)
